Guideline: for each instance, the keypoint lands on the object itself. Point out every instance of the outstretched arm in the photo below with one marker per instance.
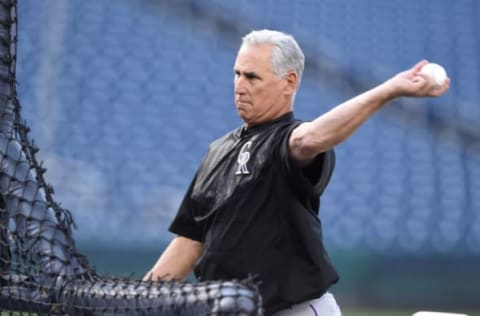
(311, 138)
(177, 261)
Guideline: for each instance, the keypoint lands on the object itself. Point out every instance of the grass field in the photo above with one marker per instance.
(375, 313)
(348, 312)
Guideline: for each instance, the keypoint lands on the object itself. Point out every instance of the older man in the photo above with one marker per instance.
(252, 206)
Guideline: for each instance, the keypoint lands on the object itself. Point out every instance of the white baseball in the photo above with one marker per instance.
(435, 71)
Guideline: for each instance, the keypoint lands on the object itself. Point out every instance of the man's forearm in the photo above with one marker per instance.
(177, 261)
(310, 139)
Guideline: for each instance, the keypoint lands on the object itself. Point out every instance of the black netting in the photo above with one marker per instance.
(41, 270)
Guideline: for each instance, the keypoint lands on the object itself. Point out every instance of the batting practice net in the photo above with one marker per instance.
(41, 271)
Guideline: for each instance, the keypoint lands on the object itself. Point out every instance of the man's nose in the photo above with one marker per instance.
(239, 86)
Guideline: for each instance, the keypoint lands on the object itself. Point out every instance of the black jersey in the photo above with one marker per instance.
(255, 210)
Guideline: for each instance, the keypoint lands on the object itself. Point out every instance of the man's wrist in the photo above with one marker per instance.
(388, 91)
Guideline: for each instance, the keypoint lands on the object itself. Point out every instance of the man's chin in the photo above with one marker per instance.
(243, 115)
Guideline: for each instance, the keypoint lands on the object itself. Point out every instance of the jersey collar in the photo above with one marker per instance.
(244, 132)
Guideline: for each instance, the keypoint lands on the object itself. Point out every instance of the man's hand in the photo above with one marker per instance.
(413, 83)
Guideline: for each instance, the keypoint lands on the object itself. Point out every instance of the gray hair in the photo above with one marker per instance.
(286, 53)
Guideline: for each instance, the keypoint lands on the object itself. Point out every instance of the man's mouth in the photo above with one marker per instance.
(243, 102)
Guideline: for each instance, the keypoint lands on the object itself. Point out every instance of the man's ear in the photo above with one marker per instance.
(292, 82)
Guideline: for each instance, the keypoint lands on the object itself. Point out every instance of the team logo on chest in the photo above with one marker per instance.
(243, 158)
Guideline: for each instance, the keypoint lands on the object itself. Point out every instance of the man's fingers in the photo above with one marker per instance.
(416, 69)
(148, 276)
(439, 90)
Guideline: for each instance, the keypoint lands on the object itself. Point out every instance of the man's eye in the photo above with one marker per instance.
(248, 76)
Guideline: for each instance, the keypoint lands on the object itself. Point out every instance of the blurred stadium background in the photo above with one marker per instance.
(124, 96)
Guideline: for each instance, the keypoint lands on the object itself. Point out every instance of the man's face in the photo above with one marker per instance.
(259, 95)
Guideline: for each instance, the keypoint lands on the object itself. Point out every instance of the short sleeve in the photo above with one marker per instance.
(184, 223)
(321, 170)
(312, 179)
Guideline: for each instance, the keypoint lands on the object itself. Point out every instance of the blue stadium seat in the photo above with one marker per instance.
(140, 89)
